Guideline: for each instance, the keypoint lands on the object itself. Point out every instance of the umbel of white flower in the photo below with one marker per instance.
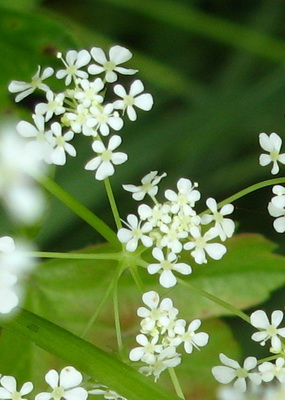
(161, 334)
(173, 225)
(83, 108)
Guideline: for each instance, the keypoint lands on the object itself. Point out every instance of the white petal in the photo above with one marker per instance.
(52, 378)
(69, 377)
(144, 101)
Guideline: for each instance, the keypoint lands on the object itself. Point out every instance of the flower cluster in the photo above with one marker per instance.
(252, 370)
(14, 265)
(174, 225)
(161, 334)
(83, 107)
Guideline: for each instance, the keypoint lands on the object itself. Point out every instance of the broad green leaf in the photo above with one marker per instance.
(86, 357)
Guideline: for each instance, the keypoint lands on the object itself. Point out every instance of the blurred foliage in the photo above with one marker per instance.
(216, 70)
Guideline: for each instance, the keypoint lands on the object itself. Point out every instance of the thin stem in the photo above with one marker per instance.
(112, 203)
(79, 209)
(137, 279)
(74, 256)
(176, 383)
(216, 300)
(99, 307)
(251, 189)
(116, 309)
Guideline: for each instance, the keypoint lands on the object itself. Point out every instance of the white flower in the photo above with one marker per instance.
(135, 233)
(167, 264)
(59, 143)
(39, 145)
(189, 337)
(146, 352)
(268, 330)
(279, 213)
(269, 371)
(233, 371)
(89, 95)
(103, 163)
(148, 186)
(271, 143)
(78, 120)
(168, 358)
(133, 99)
(157, 215)
(279, 199)
(53, 106)
(73, 63)
(201, 247)
(106, 392)
(172, 236)
(117, 56)
(186, 197)
(103, 118)
(25, 89)
(9, 388)
(66, 385)
(225, 226)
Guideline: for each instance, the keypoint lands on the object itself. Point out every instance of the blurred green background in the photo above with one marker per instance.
(216, 70)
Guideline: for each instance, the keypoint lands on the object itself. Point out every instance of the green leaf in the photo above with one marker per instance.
(88, 358)
(244, 277)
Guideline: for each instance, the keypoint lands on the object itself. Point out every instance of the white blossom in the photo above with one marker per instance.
(186, 197)
(189, 337)
(53, 106)
(279, 214)
(89, 95)
(39, 145)
(102, 118)
(269, 370)
(117, 56)
(25, 89)
(60, 144)
(168, 358)
(231, 370)
(133, 99)
(167, 264)
(268, 330)
(73, 63)
(64, 385)
(78, 120)
(8, 389)
(272, 144)
(136, 232)
(224, 226)
(200, 246)
(148, 186)
(106, 157)
(279, 199)
(146, 352)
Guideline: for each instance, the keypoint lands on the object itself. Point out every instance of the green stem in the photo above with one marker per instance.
(79, 209)
(74, 256)
(99, 307)
(112, 203)
(251, 189)
(119, 271)
(137, 279)
(176, 383)
(227, 306)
